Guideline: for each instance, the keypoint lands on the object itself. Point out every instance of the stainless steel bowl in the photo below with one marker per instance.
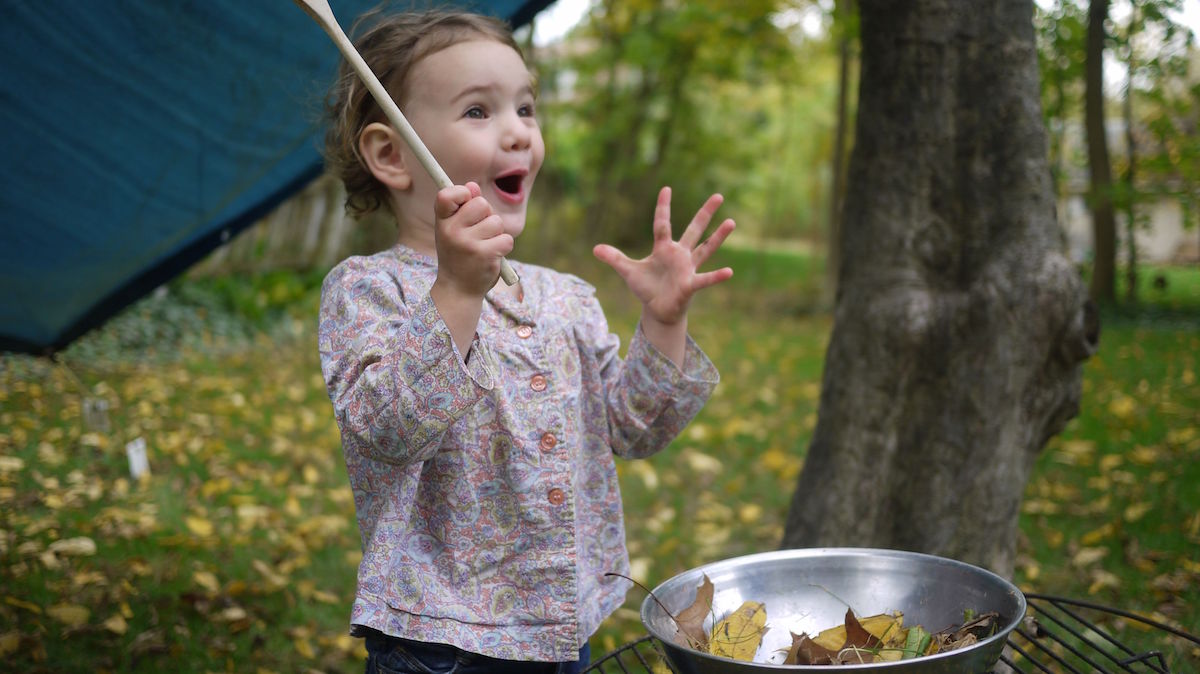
(807, 590)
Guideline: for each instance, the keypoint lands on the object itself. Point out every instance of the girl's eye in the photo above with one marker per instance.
(475, 112)
(525, 111)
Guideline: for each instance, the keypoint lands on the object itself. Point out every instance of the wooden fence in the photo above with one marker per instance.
(308, 231)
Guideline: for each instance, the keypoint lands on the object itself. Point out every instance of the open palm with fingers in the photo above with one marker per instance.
(666, 279)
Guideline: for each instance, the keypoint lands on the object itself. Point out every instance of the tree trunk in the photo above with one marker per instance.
(843, 12)
(1104, 225)
(960, 327)
(1131, 268)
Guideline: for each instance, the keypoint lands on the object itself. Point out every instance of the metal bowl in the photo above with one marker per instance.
(807, 590)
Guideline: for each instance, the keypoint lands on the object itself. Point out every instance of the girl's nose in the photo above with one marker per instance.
(517, 132)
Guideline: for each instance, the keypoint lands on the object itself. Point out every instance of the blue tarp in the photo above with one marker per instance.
(139, 135)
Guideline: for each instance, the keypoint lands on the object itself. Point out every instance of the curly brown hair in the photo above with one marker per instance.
(391, 46)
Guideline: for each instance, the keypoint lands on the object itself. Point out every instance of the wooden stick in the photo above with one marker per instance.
(321, 13)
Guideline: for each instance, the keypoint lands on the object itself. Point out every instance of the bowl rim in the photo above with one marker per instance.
(649, 602)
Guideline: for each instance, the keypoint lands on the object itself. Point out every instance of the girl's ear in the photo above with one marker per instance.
(381, 149)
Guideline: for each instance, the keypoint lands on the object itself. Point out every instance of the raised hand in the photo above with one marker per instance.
(666, 279)
(470, 240)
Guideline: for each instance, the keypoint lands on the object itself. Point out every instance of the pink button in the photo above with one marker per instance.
(537, 383)
(556, 496)
(524, 332)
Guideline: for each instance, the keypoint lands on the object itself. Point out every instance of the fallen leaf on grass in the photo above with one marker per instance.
(199, 526)
(80, 546)
(116, 624)
(71, 615)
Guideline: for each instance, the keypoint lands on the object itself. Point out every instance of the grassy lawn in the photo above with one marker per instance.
(238, 551)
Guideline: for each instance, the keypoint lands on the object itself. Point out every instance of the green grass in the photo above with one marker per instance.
(238, 552)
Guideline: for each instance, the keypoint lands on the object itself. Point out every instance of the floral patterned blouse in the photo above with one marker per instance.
(486, 492)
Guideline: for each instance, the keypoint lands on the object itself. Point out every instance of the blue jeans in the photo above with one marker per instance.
(393, 655)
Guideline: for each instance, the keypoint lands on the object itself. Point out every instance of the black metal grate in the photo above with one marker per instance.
(1067, 635)
(634, 657)
(1059, 635)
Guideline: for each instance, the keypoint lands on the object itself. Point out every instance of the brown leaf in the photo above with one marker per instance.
(690, 621)
(805, 651)
(857, 636)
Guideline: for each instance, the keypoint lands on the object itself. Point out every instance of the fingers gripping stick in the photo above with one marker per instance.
(321, 13)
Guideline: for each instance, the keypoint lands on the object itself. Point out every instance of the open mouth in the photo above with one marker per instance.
(510, 184)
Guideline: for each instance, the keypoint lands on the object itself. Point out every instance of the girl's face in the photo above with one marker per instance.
(473, 106)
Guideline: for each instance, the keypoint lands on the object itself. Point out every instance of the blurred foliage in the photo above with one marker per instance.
(1161, 64)
(712, 96)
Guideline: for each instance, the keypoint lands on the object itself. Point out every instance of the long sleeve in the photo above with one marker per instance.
(648, 399)
(396, 381)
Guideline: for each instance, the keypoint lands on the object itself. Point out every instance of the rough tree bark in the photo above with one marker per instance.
(843, 13)
(960, 326)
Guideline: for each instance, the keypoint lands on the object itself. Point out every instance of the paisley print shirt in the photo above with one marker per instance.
(486, 492)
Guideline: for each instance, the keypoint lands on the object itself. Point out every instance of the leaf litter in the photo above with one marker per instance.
(877, 638)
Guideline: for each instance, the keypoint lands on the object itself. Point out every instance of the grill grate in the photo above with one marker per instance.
(1059, 635)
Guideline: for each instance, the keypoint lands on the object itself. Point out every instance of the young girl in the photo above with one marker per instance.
(479, 421)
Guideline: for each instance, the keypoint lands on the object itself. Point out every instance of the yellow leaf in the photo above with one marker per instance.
(9, 643)
(1096, 535)
(1088, 556)
(1123, 407)
(71, 615)
(273, 578)
(21, 603)
(304, 647)
(702, 463)
(199, 526)
(1032, 571)
(207, 580)
(232, 614)
(216, 486)
(739, 634)
(1077, 452)
(84, 578)
(326, 597)
(11, 464)
(311, 474)
(116, 624)
(1136, 511)
(886, 628)
(1146, 456)
(750, 513)
(81, 546)
(1102, 579)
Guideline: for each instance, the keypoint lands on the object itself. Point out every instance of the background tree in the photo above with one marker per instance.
(641, 113)
(960, 326)
(1155, 51)
(1104, 225)
(1061, 29)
